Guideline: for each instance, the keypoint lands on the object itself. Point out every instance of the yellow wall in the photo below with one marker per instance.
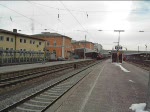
(28, 46)
(5, 44)
(33, 47)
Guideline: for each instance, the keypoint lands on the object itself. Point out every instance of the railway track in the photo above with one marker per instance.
(12, 79)
(142, 64)
(43, 99)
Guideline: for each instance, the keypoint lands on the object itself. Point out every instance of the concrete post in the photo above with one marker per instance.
(148, 95)
(63, 45)
(85, 48)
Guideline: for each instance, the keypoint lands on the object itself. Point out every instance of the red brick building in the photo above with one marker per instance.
(82, 44)
(57, 43)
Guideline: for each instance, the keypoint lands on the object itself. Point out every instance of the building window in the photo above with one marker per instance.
(54, 43)
(7, 48)
(33, 42)
(1, 38)
(20, 40)
(12, 39)
(7, 39)
(48, 43)
(40, 43)
(30, 41)
(24, 40)
(54, 51)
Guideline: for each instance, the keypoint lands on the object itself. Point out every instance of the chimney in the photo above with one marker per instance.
(15, 30)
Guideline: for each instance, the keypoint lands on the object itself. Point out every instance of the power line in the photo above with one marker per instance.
(92, 11)
(24, 15)
(85, 30)
(73, 16)
(33, 3)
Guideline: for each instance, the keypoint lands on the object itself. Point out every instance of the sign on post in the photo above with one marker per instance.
(118, 47)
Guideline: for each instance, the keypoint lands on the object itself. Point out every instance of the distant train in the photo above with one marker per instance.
(90, 54)
(100, 57)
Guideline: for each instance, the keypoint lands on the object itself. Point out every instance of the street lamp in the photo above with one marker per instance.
(146, 51)
(84, 42)
(119, 36)
(141, 31)
(118, 47)
(85, 47)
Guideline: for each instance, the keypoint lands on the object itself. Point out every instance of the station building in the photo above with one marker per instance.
(82, 44)
(16, 41)
(57, 43)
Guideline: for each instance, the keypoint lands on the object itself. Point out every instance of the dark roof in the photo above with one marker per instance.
(48, 34)
(142, 53)
(86, 49)
(82, 41)
(19, 34)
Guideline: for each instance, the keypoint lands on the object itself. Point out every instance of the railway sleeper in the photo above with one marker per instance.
(29, 75)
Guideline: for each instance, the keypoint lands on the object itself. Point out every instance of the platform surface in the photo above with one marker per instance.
(108, 88)
(13, 68)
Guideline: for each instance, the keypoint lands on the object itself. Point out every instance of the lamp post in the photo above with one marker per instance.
(146, 51)
(118, 37)
(118, 43)
(84, 43)
(85, 47)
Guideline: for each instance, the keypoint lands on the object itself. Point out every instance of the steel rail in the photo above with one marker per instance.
(14, 82)
(8, 75)
(10, 107)
(29, 77)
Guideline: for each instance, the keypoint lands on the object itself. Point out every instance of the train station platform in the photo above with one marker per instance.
(14, 68)
(110, 87)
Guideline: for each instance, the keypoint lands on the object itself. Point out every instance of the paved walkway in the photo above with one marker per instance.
(108, 88)
(30, 66)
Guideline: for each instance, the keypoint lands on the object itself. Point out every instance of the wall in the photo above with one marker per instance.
(59, 44)
(88, 45)
(7, 44)
(27, 46)
(33, 46)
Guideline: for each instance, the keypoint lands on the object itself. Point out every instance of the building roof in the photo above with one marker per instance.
(19, 34)
(48, 34)
(81, 41)
(87, 50)
(138, 53)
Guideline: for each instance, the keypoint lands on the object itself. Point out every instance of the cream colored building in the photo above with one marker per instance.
(16, 41)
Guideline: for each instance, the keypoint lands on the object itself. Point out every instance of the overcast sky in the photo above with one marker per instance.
(80, 18)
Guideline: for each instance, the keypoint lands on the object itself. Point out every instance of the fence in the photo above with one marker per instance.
(8, 57)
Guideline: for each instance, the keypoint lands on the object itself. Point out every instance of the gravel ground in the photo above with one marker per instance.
(17, 97)
(6, 93)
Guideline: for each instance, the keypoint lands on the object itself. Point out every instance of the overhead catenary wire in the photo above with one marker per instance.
(90, 11)
(58, 16)
(84, 29)
(24, 15)
(73, 16)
